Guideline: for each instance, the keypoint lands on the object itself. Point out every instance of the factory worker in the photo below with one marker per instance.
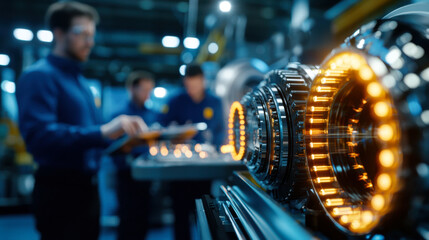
(194, 105)
(63, 130)
(134, 196)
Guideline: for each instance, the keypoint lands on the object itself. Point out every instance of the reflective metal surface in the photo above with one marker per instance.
(270, 130)
(346, 143)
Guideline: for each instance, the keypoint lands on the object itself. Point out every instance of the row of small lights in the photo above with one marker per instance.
(193, 42)
(43, 35)
(26, 35)
(167, 41)
(179, 151)
(359, 218)
(188, 42)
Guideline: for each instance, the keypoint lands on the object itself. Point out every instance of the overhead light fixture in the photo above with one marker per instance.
(213, 48)
(170, 41)
(45, 36)
(225, 6)
(8, 86)
(23, 34)
(191, 42)
(182, 69)
(4, 60)
(160, 92)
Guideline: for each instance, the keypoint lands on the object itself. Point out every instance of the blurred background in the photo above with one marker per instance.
(161, 36)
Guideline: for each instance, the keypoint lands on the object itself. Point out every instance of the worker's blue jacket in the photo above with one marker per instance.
(182, 109)
(58, 118)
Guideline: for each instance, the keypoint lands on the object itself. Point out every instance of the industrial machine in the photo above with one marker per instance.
(337, 150)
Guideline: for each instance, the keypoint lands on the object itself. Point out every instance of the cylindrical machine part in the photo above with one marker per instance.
(266, 130)
(367, 130)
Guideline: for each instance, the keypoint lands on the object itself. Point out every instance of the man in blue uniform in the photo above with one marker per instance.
(194, 105)
(63, 129)
(133, 196)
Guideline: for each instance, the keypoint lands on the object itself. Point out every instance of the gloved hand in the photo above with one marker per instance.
(123, 124)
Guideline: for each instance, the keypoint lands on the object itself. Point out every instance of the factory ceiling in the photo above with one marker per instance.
(126, 26)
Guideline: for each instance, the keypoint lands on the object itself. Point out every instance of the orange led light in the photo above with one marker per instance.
(236, 114)
(177, 153)
(381, 109)
(316, 120)
(334, 202)
(164, 151)
(365, 73)
(328, 191)
(386, 158)
(385, 132)
(321, 168)
(374, 89)
(188, 154)
(321, 99)
(342, 211)
(319, 156)
(384, 181)
(153, 150)
(226, 148)
(203, 155)
(367, 217)
(340, 76)
(318, 109)
(318, 144)
(377, 202)
(324, 179)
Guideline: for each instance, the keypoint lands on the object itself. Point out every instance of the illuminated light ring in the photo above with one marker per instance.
(355, 217)
(382, 44)
(236, 114)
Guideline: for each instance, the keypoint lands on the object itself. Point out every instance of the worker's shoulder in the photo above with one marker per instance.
(179, 97)
(212, 97)
(42, 69)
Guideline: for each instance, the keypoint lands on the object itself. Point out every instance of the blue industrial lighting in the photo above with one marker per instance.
(213, 48)
(45, 36)
(414, 105)
(8, 86)
(4, 60)
(225, 6)
(170, 41)
(182, 69)
(160, 92)
(191, 42)
(23, 34)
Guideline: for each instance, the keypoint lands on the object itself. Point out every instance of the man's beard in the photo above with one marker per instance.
(71, 54)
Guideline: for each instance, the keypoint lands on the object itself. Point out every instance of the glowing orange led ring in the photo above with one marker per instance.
(357, 218)
(237, 111)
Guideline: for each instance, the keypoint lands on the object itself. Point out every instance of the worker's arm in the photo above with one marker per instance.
(38, 103)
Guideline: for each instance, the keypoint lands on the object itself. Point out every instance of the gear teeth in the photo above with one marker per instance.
(278, 105)
(294, 87)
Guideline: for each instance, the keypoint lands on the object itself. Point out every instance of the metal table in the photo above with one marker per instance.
(185, 169)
